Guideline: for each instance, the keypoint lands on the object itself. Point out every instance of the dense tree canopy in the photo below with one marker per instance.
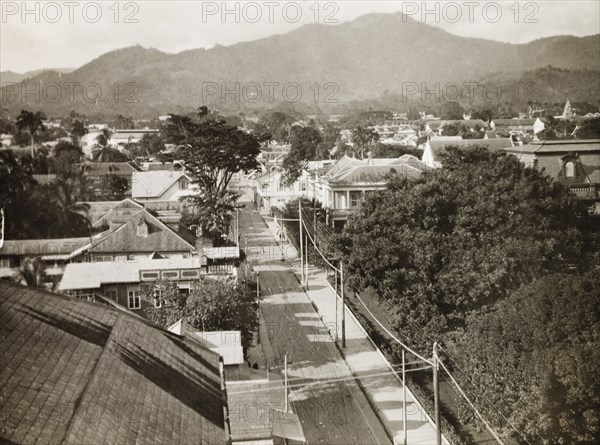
(40, 211)
(394, 151)
(536, 357)
(305, 142)
(451, 111)
(209, 306)
(362, 138)
(459, 239)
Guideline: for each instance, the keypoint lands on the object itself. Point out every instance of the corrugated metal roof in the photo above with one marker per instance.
(152, 184)
(93, 275)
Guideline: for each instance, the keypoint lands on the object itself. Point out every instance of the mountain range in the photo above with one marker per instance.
(355, 60)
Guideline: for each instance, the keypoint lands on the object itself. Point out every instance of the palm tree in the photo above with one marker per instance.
(362, 137)
(105, 153)
(104, 137)
(78, 131)
(32, 124)
(71, 216)
(33, 271)
(202, 113)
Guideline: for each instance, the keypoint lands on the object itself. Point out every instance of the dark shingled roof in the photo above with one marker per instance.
(74, 372)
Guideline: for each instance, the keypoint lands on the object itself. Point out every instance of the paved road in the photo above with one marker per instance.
(331, 406)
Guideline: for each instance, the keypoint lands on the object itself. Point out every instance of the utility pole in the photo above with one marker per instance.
(404, 398)
(306, 259)
(237, 226)
(285, 380)
(301, 243)
(436, 396)
(343, 306)
(336, 305)
(258, 311)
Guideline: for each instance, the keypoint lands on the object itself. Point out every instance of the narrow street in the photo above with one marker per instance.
(329, 402)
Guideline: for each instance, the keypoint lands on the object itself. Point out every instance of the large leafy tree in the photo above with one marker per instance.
(279, 125)
(66, 160)
(209, 306)
(536, 359)
(212, 152)
(459, 239)
(452, 111)
(32, 124)
(305, 141)
(363, 137)
(330, 138)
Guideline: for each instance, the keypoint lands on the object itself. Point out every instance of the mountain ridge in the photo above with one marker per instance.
(361, 58)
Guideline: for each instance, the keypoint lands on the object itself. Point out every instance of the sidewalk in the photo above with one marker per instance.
(376, 375)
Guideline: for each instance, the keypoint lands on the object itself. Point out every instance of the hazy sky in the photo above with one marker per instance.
(72, 33)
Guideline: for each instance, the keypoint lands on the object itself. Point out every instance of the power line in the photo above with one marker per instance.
(330, 380)
(416, 354)
(490, 403)
(462, 393)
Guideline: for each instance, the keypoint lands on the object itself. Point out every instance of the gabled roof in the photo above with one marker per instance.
(75, 372)
(108, 212)
(350, 170)
(152, 184)
(125, 239)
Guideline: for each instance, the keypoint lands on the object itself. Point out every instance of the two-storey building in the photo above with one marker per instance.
(341, 188)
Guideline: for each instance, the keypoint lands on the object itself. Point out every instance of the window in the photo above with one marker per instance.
(340, 200)
(4, 262)
(190, 274)
(149, 276)
(168, 275)
(303, 186)
(86, 295)
(570, 169)
(355, 198)
(111, 294)
(133, 298)
(183, 184)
